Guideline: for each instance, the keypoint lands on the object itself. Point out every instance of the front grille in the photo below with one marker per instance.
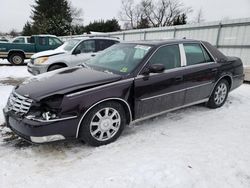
(18, 103)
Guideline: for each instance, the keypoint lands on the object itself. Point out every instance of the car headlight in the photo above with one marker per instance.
(44, 116)
(48, 109)
(40, 60)
(49, 115)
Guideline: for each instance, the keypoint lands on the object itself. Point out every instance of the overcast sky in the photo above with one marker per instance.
(14, 13)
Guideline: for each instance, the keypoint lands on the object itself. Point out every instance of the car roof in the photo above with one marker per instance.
(95, 37)
(44, 35)
(161, 42)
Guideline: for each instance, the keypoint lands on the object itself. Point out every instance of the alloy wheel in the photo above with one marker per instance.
(105, 124)
(220, 94)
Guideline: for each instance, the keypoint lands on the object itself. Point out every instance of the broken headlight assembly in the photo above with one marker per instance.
(48, 109)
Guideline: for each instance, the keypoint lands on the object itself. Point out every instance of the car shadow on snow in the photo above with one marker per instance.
(11, 139)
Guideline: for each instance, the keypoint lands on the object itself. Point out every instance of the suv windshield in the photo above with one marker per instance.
(70, 44)
(120, 58)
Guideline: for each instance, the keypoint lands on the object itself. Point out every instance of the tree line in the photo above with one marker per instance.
(151, 13)
(60, 17)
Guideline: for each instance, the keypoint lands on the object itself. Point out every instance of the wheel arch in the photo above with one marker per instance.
(59, 63)
(16, 51)
(227, 77)
(124, 103)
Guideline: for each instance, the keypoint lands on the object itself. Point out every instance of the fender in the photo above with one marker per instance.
(221, 77)
(104, 100)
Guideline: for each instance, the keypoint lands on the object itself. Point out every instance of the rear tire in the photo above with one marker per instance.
(219, 95)
(103, 124)
(55, 67)
(16, 59)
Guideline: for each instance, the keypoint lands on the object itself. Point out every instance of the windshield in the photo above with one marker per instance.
(120, 58)
(70, 44)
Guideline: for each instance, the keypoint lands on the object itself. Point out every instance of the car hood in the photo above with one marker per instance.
(48, 53)
(60, 57)
(63, 81)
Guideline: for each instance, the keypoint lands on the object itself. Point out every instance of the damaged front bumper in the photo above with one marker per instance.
(41, 131)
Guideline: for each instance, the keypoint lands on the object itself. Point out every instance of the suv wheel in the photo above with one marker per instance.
(16, 59)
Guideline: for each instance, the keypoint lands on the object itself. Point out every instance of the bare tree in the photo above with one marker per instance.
(14, 33)
(152, 13)
(76, 14)
(130, 13)
(163, 12)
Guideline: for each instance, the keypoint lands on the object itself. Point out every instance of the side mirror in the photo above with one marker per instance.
(156, 68)
(77, 51)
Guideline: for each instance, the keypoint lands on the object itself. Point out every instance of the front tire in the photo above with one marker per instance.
(219, 95)
(103, 124)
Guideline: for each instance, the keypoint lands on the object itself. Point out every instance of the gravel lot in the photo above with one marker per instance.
(194, 147)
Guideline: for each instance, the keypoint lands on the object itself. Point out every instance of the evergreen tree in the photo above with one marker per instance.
(27, 29)
(180, 20)
(14, 33)
(51, 17)
(77, 30)
(112, 25)
(103, 26)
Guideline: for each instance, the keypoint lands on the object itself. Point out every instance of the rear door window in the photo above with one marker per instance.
(196, 54)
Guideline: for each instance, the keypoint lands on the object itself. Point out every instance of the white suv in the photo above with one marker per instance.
(72, 53)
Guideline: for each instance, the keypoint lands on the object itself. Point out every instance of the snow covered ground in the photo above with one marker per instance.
(3, 61)
(194, 147)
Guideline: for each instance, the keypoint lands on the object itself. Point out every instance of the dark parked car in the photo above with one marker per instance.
(125, 83)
